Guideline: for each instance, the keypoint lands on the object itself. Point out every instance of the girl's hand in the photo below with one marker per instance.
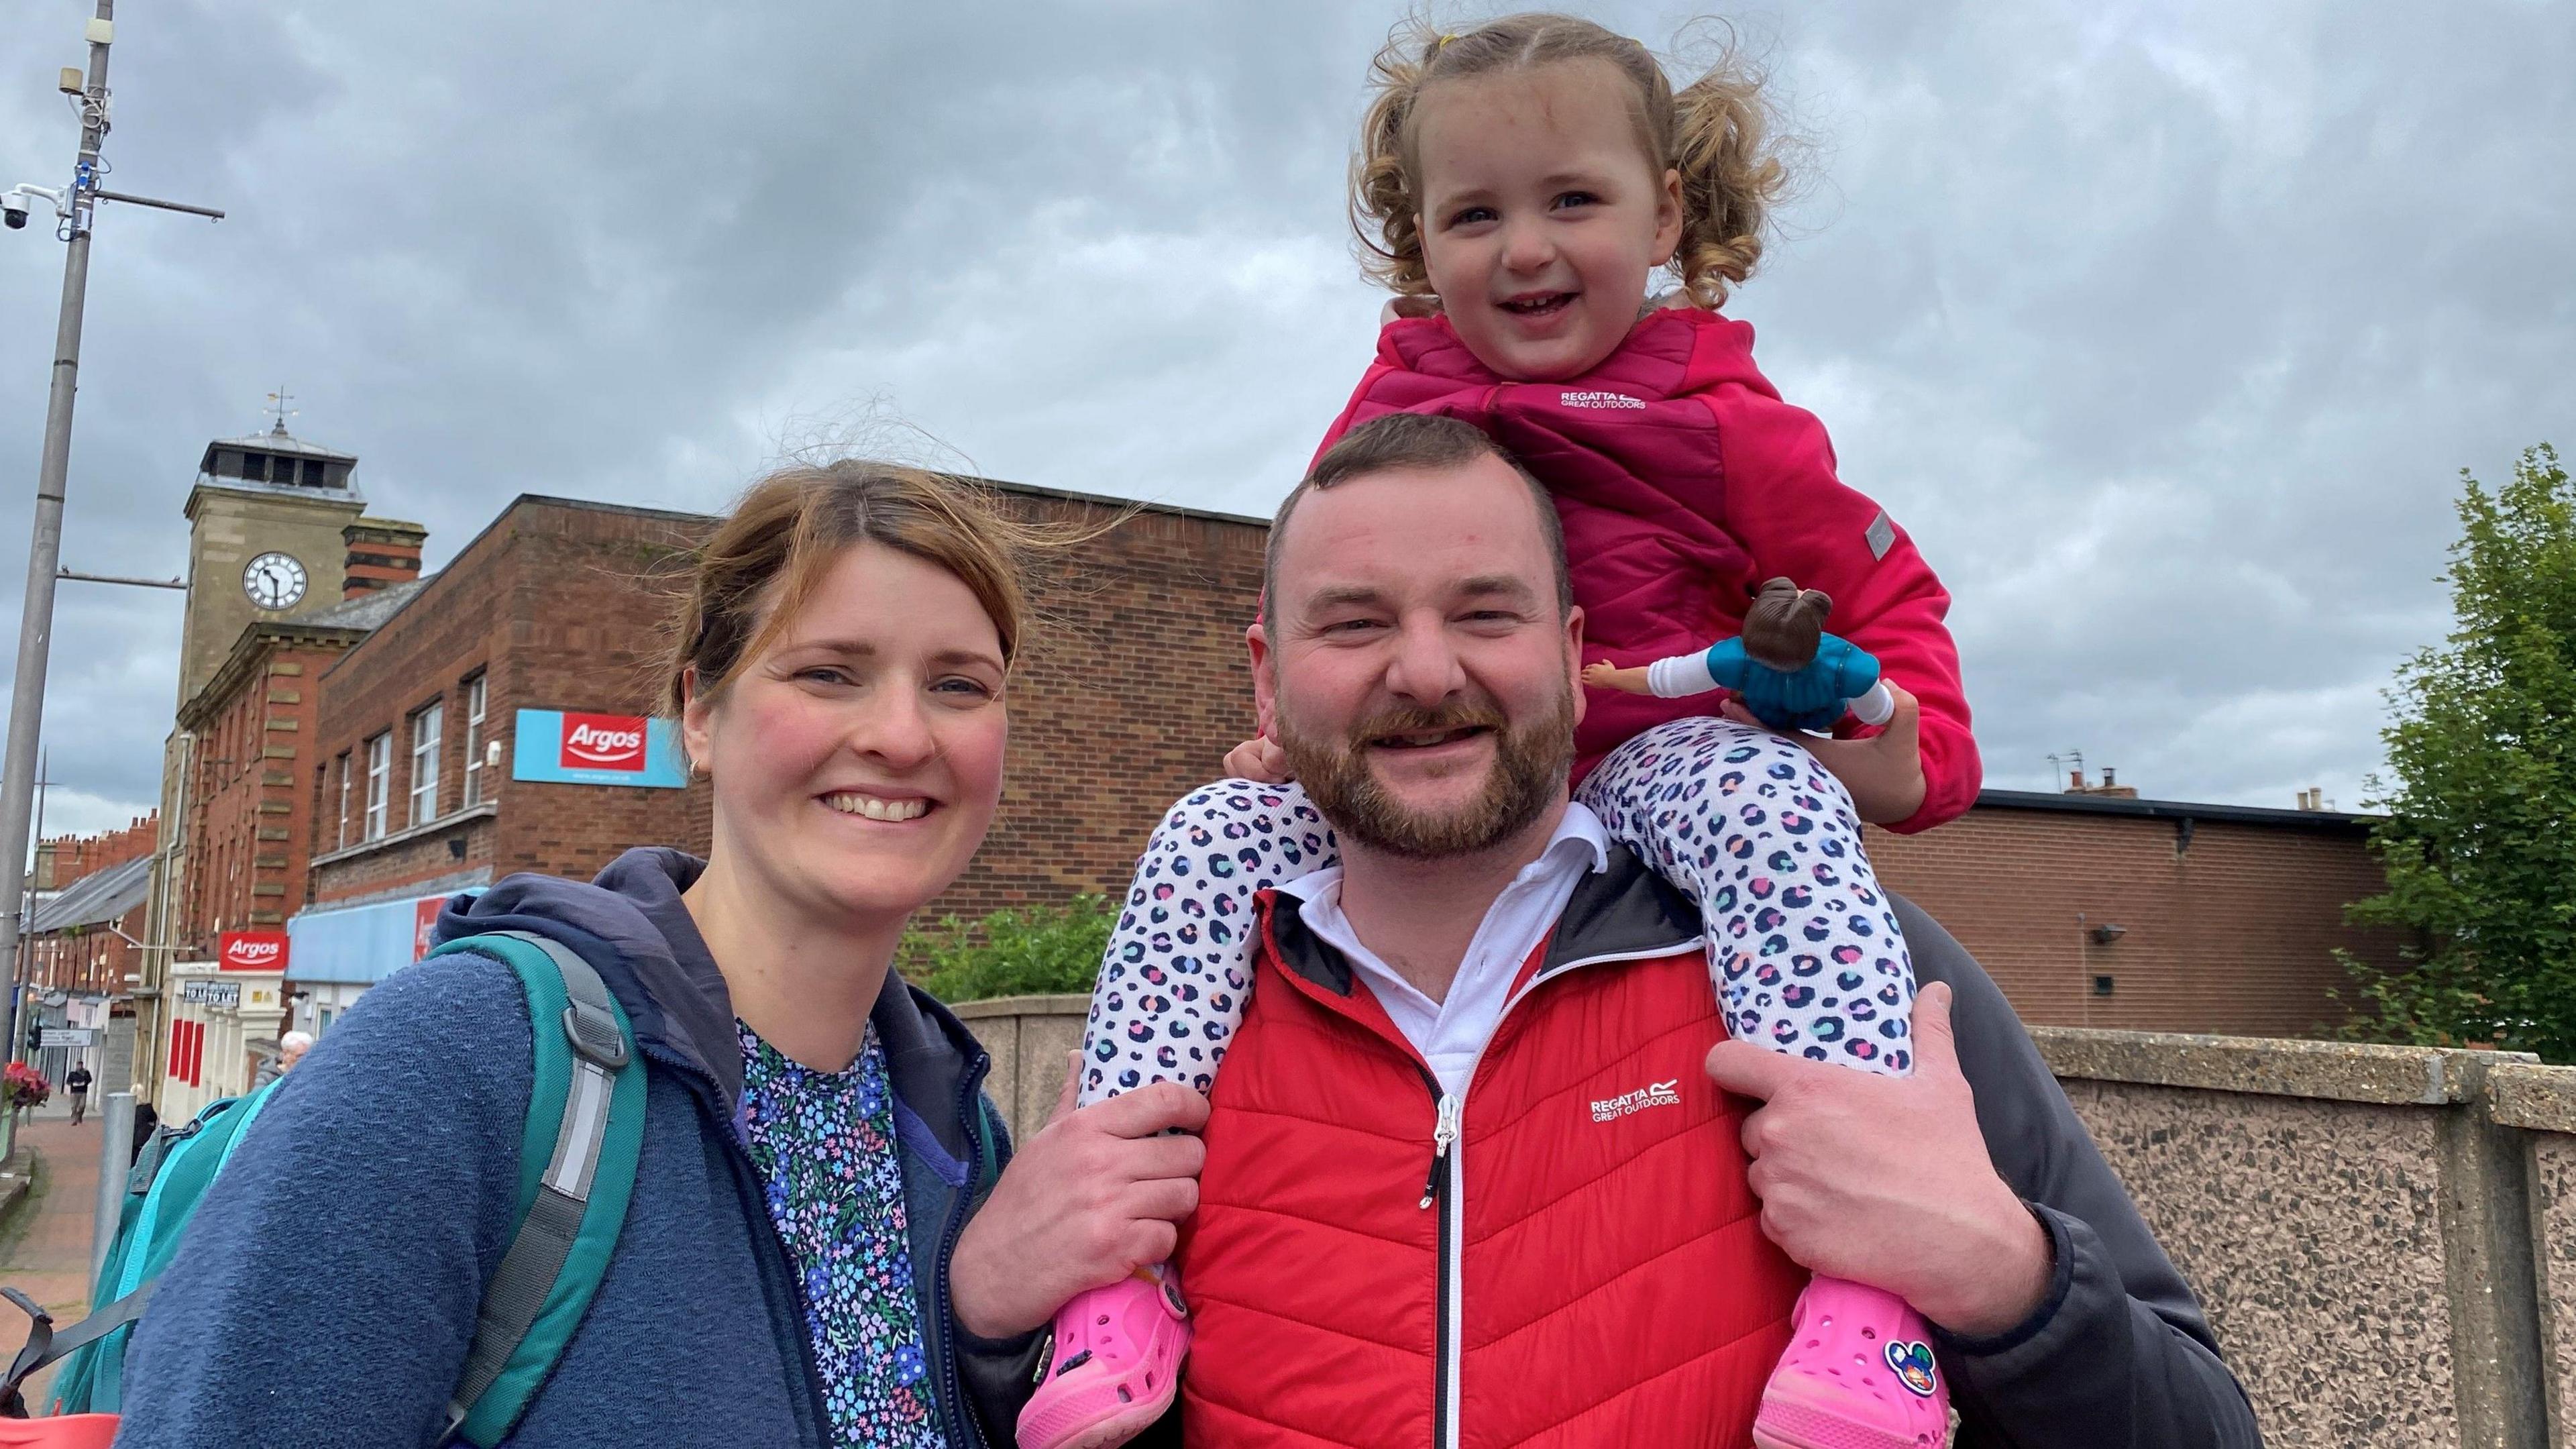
(1260, 760)
(1884, 773)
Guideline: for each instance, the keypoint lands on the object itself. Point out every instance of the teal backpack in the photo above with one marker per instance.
(576, 1170)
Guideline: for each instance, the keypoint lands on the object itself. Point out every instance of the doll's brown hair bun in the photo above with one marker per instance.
(1785, 625)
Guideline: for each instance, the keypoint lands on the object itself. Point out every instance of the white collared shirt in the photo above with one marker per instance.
(1450, 1032)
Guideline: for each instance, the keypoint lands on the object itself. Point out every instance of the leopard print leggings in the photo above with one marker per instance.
(1803, 950)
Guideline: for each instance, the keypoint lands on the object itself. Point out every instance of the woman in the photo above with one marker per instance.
(795, 1266)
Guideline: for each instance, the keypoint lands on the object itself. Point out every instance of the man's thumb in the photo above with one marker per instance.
(1748, 1070)
(1072, 1085)
(1936, 1042)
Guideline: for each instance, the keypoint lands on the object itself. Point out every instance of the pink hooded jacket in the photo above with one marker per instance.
(1684, 482)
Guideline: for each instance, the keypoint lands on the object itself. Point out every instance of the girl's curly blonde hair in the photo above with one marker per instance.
(1716, 131)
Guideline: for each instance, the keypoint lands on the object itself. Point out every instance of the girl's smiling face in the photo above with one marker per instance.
(1542, 214)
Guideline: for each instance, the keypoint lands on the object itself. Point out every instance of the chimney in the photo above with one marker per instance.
(2109, 789)
(2075, 782)
(383, 552)
(2312, 798)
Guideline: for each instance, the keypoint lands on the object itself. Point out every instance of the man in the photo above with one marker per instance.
(77, 1083)
(290, 1050)
(1572, 1251)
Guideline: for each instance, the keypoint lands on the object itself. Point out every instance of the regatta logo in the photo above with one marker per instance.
(251, 950)
(603, 742)
(1613, 401)
(1628, 1104)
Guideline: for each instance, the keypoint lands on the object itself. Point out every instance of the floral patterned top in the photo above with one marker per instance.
(825, 1146)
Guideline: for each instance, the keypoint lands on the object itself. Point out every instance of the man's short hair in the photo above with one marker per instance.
(1401, 441)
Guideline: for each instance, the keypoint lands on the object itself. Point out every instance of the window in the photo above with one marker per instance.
(380, 763)
(344, 798)
(474, 701)
(424, 763)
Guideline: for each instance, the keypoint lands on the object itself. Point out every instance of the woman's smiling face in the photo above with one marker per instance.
(857, 759)
(1542, 215)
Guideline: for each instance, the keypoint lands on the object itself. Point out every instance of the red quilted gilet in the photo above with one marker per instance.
(1612, 1284)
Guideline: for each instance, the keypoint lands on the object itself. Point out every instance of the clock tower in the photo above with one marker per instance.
(266, 526)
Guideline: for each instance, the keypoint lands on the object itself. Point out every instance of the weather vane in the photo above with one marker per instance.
(277, 403)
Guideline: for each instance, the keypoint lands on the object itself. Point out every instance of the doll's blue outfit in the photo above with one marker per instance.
(1843, 677)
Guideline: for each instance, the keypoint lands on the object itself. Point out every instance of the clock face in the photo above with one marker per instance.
(274, 581)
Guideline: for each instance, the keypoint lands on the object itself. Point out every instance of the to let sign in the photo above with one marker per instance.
(211, 993)
(574, 747)
(251, 950)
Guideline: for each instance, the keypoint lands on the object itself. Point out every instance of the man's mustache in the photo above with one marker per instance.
(1411, 719)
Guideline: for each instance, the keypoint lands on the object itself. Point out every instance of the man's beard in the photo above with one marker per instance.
(1527, 775)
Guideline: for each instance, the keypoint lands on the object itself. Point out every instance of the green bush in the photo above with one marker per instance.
(1030, 951)
(2480, 839)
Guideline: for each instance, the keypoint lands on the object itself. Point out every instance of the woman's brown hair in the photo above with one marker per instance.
(1715, 131)
(763, 561)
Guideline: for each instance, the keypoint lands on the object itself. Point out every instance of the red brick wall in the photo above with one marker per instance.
(593, 588)
(1132, 695)
(2233, 934)
(94, 960)
(250, 822)
(1136, 692)
(66, 858)
(559, 606)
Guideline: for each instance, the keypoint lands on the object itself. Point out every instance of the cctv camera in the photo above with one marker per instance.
(13, 210)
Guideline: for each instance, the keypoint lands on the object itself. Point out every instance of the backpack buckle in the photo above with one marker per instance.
(594, 1034)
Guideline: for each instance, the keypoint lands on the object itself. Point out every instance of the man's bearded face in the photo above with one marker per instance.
(1526, 761)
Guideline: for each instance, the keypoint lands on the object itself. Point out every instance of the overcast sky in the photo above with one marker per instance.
(2164, 327)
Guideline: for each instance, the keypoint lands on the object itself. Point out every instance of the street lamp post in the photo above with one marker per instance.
(73, 208)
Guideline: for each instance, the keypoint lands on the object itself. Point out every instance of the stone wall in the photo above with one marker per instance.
(2385, 1237)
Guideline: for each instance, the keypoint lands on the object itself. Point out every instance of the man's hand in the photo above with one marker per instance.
(1260, 760)
(1884, 773)
(1886, 1180)
(1094, 1196)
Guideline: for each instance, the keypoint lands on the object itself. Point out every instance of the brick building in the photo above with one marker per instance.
(1131, 690)
(2102, 910)
(243, 850)
(86, 884)
(81, 951)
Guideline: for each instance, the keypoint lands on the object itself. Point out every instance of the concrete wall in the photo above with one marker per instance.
(2385, 1237)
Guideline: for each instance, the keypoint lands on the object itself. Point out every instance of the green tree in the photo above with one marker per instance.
(1032, 951)
(2480, 840)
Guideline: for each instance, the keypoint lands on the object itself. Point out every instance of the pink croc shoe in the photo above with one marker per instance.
(1858, 1375)
(1115, 1364)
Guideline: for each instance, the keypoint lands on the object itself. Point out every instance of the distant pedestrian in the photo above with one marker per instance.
(290, 1050)
(78, 1085)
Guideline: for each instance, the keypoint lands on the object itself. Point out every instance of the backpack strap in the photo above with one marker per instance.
(45, 1345)
(584, 1132)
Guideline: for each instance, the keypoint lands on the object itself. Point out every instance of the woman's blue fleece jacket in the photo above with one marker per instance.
(326, 1289)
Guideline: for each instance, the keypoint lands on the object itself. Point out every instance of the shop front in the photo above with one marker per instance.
(224, 1023)
(341, 951)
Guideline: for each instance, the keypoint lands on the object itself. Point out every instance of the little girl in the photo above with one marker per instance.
(1517, 186)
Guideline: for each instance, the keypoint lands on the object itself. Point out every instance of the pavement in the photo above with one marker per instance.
(49, 1260)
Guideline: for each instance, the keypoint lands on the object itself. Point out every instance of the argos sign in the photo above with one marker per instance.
(251, 950)
(603, 742)
(570, 747)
